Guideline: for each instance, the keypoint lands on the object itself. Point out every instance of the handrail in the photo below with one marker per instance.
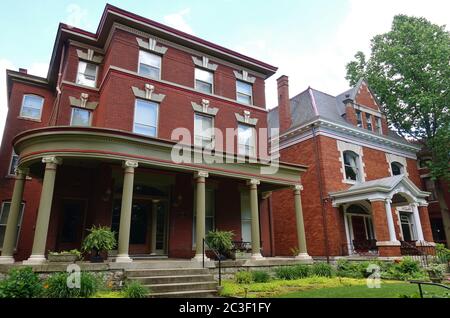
(407, 246)
(216, 252)
(420, 283)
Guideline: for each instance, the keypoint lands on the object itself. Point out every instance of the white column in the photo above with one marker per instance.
(417, 222)
(390, 221)
(200, 217)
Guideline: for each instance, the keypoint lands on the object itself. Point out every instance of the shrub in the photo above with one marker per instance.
(408, 266)
(243, 277)
(353, 269)
(404, 270)
(71, 252)
(134, 289)
(442, 253)
(292, 272)
(222, 241)
(260, 276)
(21, 283)
(99, 239)
(56, 285)
(322, 269)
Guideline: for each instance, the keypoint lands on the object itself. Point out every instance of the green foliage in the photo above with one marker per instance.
(57, 285)
(436, 272)
(222, 241)
(71, 252)
(260, 276)
(409, 71)
(21, 283)
(134, 289)
(100, 238)
(346, 268)
(322, 269)
(404, 270)
(243, 277)
(293, 272)
(442, 253)
(295, 251)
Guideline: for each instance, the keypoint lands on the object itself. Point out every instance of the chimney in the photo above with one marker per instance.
(23, 70)
(350, 114)
(284, 105)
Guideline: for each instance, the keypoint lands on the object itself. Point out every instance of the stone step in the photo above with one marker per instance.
(186, 294)
(145, 280)
(165, 272)
(179, 287)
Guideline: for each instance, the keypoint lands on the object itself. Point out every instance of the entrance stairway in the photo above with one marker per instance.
(175, 282)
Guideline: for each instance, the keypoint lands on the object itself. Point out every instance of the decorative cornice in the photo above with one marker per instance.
(82, 102)
(204, 63)
(89, 56)
(151, 45)
(244, 76)
(52, 159)
(148, 93)
(246, 118)
(204, 108)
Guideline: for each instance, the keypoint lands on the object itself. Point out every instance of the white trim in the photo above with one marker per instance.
(390, 158)
(78, 73)
(368, 110)
(343, 147)
(41, 109)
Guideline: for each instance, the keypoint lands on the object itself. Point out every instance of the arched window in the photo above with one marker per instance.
(351, 165)
(397, 168)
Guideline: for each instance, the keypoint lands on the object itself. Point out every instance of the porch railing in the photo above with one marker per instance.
(218, 256)
(422, 253)
(360, 247)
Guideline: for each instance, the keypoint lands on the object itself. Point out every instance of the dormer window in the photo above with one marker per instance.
(87, 74)
(149, 65)
(369, 121)
(378, 125)
(244, 92)
(358, 118)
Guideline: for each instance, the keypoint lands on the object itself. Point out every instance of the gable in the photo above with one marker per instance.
(365, 98)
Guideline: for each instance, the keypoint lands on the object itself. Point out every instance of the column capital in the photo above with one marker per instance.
(201, 174)
(297, 187)
(52, 159)
(253, 182)
(130, 164)
(423, 204)
(22, 171)
(388, 200)
(415, 204)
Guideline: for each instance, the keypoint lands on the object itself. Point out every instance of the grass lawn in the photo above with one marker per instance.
(322, 287)
(108, 294)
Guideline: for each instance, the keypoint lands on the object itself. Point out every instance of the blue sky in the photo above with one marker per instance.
(310, 41)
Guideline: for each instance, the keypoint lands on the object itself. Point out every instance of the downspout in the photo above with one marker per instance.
(55, 111)
(322, 200)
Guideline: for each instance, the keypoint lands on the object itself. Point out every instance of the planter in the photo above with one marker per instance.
(62, 258)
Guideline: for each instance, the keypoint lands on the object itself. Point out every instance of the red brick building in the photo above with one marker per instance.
(362, 188)
(91, 144)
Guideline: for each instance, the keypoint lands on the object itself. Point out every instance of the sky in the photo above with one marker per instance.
(310, 41)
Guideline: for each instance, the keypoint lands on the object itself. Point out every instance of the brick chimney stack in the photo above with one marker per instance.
(23, 70)
(350, 113)
(284, 105)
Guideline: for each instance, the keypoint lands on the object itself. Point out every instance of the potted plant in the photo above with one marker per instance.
(100, 239)
(436, 272)
(221, 241)
(64, 256)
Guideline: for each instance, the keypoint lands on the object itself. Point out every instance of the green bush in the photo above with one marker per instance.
(260, 276)
(99, 239)
(353, 269)
(134, 289)
(222, 241)
(56, 285)
(442, 253)
(406, 269)
(71, 252)
(292, 272)
(21, 283)
(243, 277)
(322, 269)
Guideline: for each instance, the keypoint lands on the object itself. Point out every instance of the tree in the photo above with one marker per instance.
(409, 71)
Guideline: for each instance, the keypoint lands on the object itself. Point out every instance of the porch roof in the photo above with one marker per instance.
(384, 188)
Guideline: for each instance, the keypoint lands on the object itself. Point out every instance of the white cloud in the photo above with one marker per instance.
(178, 21)
(76, 16)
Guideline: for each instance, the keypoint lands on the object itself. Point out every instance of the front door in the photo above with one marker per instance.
(159, 229)
(140, 227)
(360, 242)
(71, 224)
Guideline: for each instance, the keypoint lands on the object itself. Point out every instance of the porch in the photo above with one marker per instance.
(387, 217)
(157, 206)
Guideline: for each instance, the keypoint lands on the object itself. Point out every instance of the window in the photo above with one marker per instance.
(4, 213)
(203, 131)
(358, 118)
(209, 213)
(244, 92)
(246, 140)
(246, 217)
(87, 74)
(397, 168)
(32, 107)
(351, 165)
(13, 164)
(369, 122)
(80, 117)
(204, 80)
(408, 229)
(378, 125)
(430, 187)
(149, 65)
(145, 118)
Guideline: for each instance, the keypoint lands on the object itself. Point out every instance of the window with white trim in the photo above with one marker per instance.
(378, 128)
(358, 118)
(87, 74)
(244, 92)
(4, 213)
(13, 163)
(203, 131)
(246, 217)
(397, 168)
(146, 118)
(204, 80)
(80, 117)
(209, 213)
(351, 166)
(408, 227)
(32, 107)
(369, 121)
(149, 65)
(246, 140)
